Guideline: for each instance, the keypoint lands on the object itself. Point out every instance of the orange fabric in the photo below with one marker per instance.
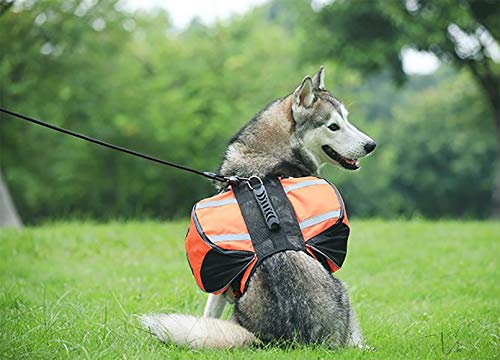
(219, 197)
(310, 252)
(246, 275)
(226, 220)
(345, 220)
(291, 181)
(332, 266)
(313, 200)
(245, 245)
(196, 254)
(222, 290)
(330, 263)
(314, 230)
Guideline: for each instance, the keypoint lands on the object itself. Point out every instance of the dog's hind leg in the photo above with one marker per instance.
(215, 306)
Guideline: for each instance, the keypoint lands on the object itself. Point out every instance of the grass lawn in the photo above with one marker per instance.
(422, 290)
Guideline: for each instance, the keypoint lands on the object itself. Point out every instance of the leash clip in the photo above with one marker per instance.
(234, 180)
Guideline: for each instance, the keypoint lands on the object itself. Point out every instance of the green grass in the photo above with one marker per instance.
(421, 289)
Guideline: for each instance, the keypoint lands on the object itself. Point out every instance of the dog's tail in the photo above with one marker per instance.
(197, 332)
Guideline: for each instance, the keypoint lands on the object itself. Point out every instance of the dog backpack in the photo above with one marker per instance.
(232, 232)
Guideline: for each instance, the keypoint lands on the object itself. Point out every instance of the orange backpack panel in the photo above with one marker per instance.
(219, 247)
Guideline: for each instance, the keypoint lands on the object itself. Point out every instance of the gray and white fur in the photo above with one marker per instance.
(290, 297)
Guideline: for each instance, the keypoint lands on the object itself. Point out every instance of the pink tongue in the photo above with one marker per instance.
(352, 162)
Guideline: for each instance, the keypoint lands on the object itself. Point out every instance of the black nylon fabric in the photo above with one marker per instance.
(267, 242)
(221, 268)
(331, 243)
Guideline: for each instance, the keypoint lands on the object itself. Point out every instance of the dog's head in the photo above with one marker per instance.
(322, 127)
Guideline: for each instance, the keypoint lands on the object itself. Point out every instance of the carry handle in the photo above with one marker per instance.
(266, 207)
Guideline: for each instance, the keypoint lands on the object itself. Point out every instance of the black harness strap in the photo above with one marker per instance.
(267, 242)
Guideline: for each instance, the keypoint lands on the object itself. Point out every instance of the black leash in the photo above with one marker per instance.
(232, 180)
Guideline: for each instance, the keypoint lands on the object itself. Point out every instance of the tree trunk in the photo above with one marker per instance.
(495, 104)
(8, 213)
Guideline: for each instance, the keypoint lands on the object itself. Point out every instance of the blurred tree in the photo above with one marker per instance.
(8, 211)
(127, 78)
(372, 37)
(53, 58)
(131, 79)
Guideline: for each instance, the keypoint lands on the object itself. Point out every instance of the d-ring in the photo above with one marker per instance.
(249, 183)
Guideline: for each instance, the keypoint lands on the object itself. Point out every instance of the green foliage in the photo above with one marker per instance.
(133, 80)
(371, 37)
(178, 96)
(422, 290)
(383, 29)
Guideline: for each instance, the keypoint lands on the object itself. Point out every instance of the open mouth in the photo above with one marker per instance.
(350, 164)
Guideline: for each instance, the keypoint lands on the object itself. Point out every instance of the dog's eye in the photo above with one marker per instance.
(333, 127)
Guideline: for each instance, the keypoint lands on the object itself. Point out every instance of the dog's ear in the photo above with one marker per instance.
(319, 79)
(303, 95)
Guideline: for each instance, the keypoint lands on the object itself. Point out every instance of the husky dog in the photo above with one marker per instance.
(290, 297)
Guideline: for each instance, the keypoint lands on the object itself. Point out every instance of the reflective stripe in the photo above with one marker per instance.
(215, 203)
(229, 237)
(318, 219)
(304, 184)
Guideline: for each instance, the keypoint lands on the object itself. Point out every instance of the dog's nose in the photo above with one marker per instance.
(370, 146)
